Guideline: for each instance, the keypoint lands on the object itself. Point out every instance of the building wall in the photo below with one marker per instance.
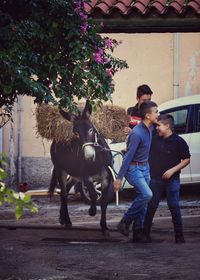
(189, 64)
(151, 61)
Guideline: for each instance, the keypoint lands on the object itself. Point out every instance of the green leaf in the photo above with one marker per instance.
(18, 211)
(26, 198)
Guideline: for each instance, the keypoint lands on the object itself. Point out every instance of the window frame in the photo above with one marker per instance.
(190, 122)
(197, 117)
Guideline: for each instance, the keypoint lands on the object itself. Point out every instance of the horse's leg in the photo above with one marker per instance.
(52, 183)
(69, 184)
(93, 196)
(64, 214)
(106, 185)
(104, 204)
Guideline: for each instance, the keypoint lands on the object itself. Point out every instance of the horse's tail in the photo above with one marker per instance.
(53, 182)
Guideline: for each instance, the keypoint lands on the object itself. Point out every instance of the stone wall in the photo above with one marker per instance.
(36, 171)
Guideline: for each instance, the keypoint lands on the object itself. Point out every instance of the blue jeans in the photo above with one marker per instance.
(172, 189)
(139, 177)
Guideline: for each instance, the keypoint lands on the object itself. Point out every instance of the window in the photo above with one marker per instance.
(198, 118)
(180, 116)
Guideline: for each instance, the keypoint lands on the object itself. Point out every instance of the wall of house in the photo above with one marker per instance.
(189, 64)
(36, 163)
(151, 61)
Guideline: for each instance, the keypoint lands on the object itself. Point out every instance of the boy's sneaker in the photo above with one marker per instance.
(140, 237)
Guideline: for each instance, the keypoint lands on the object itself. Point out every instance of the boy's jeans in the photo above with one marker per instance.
(139, 177)
(172, 189)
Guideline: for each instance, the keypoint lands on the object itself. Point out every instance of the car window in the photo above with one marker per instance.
(180, 115)
(198, 118)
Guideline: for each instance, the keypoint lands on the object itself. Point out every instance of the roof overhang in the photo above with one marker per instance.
(137, 16)
(153, 23)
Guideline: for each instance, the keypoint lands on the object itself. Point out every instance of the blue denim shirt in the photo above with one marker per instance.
(138, 147)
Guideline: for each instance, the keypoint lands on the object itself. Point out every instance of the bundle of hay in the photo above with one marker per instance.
(108, 120)
(51, 125)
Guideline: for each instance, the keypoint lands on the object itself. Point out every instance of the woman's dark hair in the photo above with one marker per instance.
(143, 89)
(146, 108)
(167, 119)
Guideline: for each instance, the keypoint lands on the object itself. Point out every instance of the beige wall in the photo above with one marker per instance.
(151, 61)
(189, 64)
(32, 145)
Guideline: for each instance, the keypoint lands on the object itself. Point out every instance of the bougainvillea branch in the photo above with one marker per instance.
(52, 51)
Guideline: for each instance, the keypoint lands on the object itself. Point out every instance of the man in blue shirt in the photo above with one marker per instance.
(168, 155)
(135, 169)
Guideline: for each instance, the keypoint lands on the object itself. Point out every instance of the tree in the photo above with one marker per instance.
(52, 51)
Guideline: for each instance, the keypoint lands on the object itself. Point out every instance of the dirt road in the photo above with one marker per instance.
(37, 247)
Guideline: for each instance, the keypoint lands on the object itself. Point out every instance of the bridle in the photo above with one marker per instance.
(94, 144)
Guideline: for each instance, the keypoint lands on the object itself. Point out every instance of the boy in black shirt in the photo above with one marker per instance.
(168, 155)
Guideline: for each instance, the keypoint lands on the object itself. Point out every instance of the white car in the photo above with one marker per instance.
(186, 113)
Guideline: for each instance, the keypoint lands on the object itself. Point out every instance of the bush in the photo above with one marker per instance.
(51, 50)
(18, 199)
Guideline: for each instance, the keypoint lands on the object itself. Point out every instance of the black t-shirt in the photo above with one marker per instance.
(165, 153)
(134, 114)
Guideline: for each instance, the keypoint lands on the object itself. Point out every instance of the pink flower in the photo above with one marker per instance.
(97, 57)
(83, 16)
(108, 43)
(109, 72)
(84, 27)
(77, 6)
(105, 60)
(100, 51)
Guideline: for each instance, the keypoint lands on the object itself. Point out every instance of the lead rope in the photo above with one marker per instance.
(111, 168)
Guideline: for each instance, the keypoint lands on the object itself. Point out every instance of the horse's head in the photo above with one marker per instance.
(84, 130)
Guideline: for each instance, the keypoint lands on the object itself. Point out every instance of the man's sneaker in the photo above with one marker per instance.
(147, 234)
(148, 239)
(123, 228)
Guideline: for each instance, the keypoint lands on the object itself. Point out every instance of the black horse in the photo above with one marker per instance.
(85, 159)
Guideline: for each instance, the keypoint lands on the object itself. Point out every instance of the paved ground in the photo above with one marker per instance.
(37, 247)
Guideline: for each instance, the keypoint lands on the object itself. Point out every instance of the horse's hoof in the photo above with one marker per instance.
(106, 233)
(65, 223)
(92, 211)
(68, 225)
(62, 222)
